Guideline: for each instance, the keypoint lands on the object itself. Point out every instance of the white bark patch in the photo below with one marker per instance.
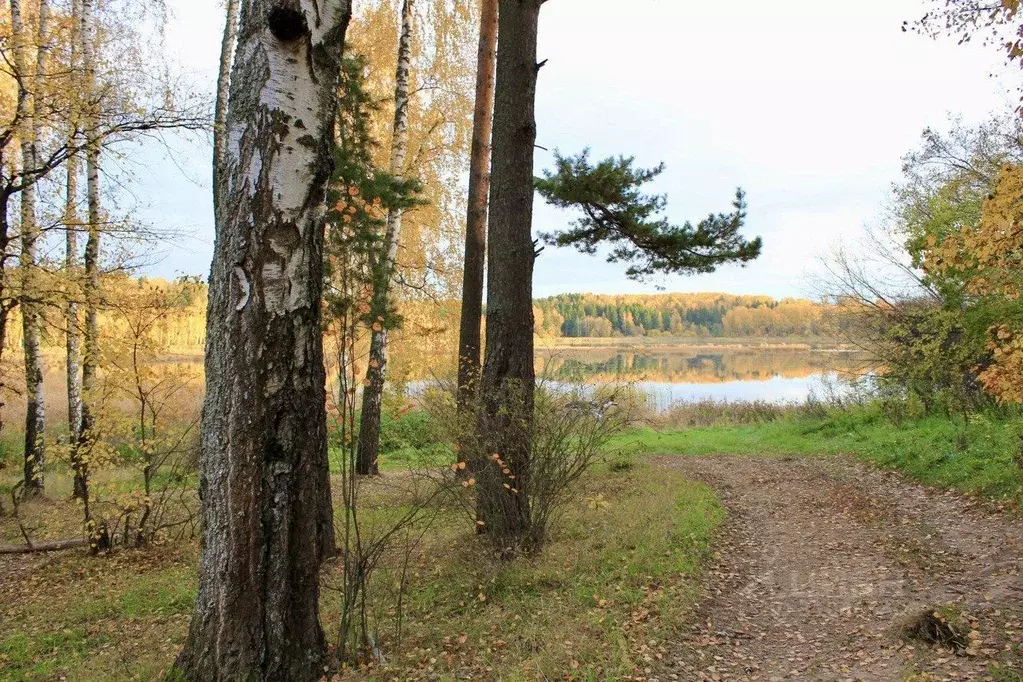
(235, 132)
(255, 168)
(285, 275)
(234, 146)
(290, 91)
(328, 13)
(244, 286)
(274, 287)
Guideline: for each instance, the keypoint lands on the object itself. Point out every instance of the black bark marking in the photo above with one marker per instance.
(287, 24)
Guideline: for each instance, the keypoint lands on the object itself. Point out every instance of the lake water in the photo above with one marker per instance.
(667, 376)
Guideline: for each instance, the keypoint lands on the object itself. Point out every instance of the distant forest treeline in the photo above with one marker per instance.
(703, 314)
(182, 320)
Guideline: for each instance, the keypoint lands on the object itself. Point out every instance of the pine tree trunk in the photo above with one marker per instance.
(227, 46)
(372, 396)
(476, 214)
(35, 412)
(263, 472)
(91, 349)
(508, 375)
(72, 223)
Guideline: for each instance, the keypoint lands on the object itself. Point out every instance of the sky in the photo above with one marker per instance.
(807, 105)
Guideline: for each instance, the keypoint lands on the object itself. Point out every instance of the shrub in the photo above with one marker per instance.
(410, 430)
(942, 626)
(568, 434)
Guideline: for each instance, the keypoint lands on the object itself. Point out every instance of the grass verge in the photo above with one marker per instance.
(979, 459)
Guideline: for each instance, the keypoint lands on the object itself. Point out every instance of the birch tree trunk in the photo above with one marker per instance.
(264, 481)
(35, 411)
(227, 46)
(508, 375)
(476, 214)
(6, 303)
(91, 349)
(72, 223)
(372, 395)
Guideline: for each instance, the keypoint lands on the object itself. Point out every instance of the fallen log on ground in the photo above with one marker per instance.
(48, 546)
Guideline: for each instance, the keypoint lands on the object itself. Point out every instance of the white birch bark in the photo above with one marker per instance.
(72, 223)
(35, 410)
(369, 426)
(91, 348)
(264, 482)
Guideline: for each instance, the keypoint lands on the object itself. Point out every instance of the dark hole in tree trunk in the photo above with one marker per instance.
(287, 24)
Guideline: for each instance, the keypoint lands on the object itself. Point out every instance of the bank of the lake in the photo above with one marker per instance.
(981, 456)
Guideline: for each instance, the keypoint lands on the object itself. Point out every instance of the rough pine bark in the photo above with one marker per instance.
(263, 470)
(508, 375)
(476, 213)
(35, 414)
(227, 45)
(383, 270)
(72, 223)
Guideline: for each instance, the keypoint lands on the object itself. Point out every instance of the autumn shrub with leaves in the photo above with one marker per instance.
(989, 258)
(146, 423)
(934, 295)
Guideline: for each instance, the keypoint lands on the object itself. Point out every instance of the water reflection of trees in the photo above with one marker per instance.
(426, 355)
(694, 367)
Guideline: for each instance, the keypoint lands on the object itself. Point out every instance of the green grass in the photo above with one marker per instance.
(80, 618)
(620, 571)
(934, 450)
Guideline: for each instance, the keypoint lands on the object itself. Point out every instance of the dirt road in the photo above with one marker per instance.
(821, 560)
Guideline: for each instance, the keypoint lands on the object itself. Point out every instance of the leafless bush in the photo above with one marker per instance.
(569, 436)
(166, 508)
(569, 431)
(382, 518)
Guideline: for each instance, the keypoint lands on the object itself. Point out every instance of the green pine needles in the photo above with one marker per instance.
(359, 197)
(617, 213)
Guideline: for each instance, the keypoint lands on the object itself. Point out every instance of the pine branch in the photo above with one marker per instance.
(615, 212)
